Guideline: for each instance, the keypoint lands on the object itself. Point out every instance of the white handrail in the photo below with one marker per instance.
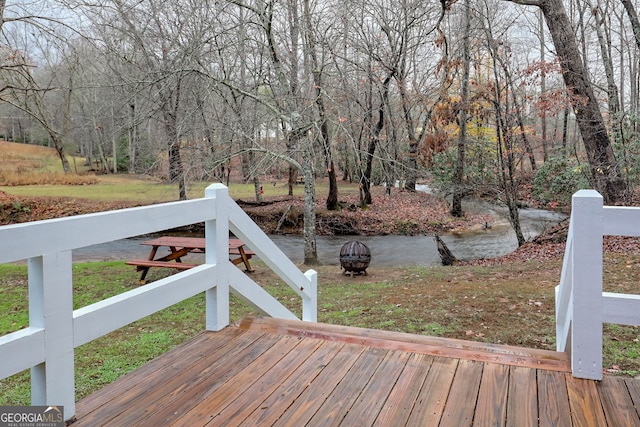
(47, 345)
(581, 305)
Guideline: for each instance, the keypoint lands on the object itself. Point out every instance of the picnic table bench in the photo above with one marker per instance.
(182, 246)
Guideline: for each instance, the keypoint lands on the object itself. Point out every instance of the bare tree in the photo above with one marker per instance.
(287, 102)
(606, 176)
(458, 193)
(633, 17)
(318, 84)
(32, 78)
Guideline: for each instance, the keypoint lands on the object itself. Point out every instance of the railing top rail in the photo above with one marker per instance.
(23, 241)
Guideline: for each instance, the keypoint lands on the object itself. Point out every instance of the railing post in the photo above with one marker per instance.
(51, 307)
(217, 243)
(310, 303)
(586, 339)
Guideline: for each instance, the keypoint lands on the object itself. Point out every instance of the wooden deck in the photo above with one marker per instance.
(266, 372)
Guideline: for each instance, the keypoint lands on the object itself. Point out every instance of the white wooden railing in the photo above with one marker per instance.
(581, 305)
(47, 345)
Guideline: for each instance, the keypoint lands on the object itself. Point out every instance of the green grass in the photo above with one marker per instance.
(147, 190)
(110, 188)
(510, 303)
(105, 359)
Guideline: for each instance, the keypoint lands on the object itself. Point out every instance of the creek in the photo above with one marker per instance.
(495, 240)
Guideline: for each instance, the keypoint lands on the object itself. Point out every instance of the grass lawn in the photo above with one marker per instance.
(510, 304)
(35, 171)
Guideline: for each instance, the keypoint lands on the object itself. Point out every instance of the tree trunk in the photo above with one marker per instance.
(309, 226)
(543, 91)
(332, 197)
(456, 201)
(59, 147)
(605, 173)
(633, 17)
(414, 141)
(612, 87)
(373, 143)
(176, 169)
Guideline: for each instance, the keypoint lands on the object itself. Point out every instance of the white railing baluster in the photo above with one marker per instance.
(564, 302)
(51, 307)
(310, 301)
(217, 243)
(586, 273)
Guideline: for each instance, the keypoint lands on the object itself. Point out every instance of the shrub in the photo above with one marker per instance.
(557, 179)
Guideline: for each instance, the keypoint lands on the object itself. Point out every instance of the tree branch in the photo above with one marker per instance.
(528, 2)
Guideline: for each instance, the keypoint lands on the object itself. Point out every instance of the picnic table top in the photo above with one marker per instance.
(187, 242)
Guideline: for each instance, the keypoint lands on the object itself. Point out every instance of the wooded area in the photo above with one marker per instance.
(477, 98)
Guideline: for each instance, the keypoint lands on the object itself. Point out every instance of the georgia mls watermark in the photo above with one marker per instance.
(31, 416)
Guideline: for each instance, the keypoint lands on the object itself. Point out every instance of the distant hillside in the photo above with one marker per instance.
(26, 164)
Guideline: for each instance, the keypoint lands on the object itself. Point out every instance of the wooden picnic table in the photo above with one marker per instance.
(182, 246)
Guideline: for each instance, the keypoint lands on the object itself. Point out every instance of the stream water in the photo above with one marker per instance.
(496, 240)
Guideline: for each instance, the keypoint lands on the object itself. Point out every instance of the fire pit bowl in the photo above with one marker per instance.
(355, 257)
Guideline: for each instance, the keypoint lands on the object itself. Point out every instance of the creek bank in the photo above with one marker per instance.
(401, 213)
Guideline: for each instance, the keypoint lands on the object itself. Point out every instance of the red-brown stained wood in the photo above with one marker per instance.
(491, 408)
(584, 400)
(633, 386)
(318, 354)
(461, 403)
(339, 402)
(296, 401)
(402, 398)
(432, 398)
(617, 403)
(160, 383)
(261, 374)
(553, 400)
(522, 404)
(180, 393)
(214, 400)
(437, 346)
(181, 353)
(372, 398)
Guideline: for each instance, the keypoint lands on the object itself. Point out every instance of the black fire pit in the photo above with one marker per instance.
(355, 257)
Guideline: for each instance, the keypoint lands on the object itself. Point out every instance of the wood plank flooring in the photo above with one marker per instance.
(270, 372)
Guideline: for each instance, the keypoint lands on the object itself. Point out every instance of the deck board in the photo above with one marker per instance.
(339, 402)
(296, 401)
(245, 403)
(463, 396)
(553, 400)
(491, 408)
(404, 394)
(431, 401)
(272, 372)
(617, 403)
(374, 395)
(522, 402)
(586, 409)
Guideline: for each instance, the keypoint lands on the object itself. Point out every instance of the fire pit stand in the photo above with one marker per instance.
(355, 257)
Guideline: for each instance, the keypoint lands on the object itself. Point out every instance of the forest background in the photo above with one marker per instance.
(482, 98)
(519, 102)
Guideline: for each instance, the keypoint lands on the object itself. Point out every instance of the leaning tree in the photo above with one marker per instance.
(606, 176)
